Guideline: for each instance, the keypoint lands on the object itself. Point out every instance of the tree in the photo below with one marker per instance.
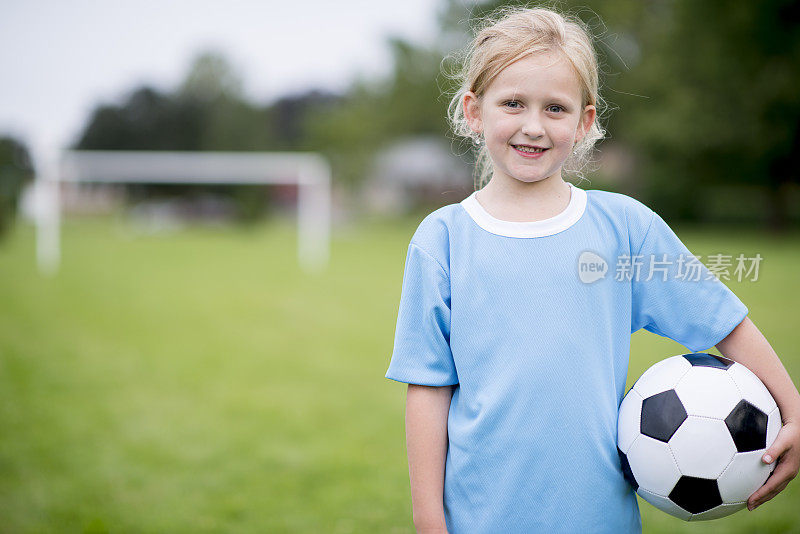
(729, 86)
(15, 171)
(206, 112)
(147, 120)
(211, 78)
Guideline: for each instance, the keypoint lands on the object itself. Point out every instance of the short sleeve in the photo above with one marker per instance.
(674, 294)
(422, 339)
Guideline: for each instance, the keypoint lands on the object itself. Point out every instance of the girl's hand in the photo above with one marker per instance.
(786, 449)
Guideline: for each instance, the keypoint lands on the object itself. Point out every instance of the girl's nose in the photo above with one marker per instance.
(532, 127)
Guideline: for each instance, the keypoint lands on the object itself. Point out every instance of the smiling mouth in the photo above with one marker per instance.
(529, 149)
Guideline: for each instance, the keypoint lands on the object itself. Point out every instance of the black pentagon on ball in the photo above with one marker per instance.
(748, 427)
(662, 414)
(703, 359)
(626, 470)
(696, 495)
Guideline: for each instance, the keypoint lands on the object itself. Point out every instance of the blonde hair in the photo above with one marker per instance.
(510, 34)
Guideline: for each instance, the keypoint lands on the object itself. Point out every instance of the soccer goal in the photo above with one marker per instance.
(310, 171)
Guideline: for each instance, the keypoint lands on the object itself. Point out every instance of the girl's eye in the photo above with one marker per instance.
(555, 107)
(513, 104)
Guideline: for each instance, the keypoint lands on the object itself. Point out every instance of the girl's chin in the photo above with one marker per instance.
(530, 178)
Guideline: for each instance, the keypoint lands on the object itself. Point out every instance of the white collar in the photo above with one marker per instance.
(545, 227)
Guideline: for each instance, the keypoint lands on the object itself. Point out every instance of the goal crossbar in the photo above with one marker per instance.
(310, 171)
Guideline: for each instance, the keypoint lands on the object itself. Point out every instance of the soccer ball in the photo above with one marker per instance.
(692, 431)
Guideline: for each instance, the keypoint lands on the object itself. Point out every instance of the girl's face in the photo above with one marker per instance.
(531, 115)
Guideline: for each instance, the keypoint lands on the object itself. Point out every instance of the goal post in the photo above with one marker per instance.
(309, 171)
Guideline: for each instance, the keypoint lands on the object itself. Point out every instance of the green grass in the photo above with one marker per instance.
(198, 382)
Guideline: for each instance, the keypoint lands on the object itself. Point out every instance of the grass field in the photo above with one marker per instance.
(197, 382)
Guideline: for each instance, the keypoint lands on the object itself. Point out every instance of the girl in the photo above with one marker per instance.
(515, 363)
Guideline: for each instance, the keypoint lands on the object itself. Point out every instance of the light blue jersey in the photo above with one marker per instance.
(532, 323)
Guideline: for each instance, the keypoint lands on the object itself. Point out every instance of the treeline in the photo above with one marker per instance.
(208, 112)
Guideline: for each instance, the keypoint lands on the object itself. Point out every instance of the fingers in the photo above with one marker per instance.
(765, 493)
(784, 472)
(781, 444)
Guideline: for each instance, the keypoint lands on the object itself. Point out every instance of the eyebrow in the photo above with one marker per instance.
(516, 95)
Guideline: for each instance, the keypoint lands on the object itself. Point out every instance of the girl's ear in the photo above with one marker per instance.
(472, 112)
(587, 119)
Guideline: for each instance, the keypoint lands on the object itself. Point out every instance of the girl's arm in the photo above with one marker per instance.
(427, 408)
(748, 346)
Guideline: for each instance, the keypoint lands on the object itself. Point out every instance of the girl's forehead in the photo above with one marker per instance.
(545, 72)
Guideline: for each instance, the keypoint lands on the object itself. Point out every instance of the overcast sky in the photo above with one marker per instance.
(59, 59)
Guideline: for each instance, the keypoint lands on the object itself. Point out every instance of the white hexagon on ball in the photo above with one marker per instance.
(708, 392)
(662, 376)
(652, 465)
(744, 475)
(702, 447)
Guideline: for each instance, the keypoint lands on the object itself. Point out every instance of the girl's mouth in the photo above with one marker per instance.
(529, 151)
